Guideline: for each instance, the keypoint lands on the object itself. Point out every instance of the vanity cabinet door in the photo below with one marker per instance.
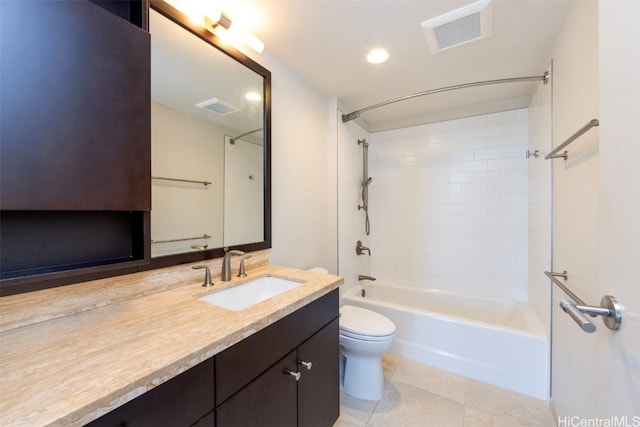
(319, 387)
(269, 400)
(75, 129)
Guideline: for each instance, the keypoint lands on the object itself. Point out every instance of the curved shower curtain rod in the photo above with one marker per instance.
(354, 115)
(233, 140)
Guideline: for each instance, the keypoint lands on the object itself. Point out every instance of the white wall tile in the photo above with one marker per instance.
(452, 213)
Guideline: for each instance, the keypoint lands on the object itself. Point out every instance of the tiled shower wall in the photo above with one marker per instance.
(449, 205)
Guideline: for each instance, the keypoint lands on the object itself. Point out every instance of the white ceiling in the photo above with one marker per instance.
(326, 41)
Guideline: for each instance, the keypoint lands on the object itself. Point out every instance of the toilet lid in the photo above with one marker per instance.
(360, 321)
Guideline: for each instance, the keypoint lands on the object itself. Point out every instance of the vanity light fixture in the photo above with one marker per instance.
(219, 18)
(220, 25)
(217, 22)
(377, 56)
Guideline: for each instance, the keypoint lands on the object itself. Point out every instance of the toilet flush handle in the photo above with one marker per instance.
(307, 365)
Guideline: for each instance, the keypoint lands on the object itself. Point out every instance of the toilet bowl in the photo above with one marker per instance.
(364, 337)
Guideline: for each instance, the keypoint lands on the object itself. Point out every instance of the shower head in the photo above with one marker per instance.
(368, 181)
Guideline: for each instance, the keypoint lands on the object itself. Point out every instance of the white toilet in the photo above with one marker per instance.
(364, 337)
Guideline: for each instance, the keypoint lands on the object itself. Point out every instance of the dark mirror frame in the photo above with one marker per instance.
(183, 21)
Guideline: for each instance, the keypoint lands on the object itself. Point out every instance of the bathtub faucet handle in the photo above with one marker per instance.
(363, 277)
(361, 249)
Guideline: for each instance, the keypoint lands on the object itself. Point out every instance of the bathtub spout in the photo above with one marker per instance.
(362, 277)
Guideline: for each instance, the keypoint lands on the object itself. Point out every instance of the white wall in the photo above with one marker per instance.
(596, 211)
(185, 148)
(619, 198)
(302, 170)
(449, 205)
(243, 192)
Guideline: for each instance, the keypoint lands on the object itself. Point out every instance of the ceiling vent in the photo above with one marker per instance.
(460, 26)
(218, 106)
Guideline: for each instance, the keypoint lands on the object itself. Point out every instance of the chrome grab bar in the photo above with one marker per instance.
(578, 134)
(609, 309)
(576, 314)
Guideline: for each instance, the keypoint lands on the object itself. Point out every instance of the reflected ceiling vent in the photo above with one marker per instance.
(218, 106)
(460, 26)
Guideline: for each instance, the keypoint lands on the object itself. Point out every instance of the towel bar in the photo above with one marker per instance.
(609, 309)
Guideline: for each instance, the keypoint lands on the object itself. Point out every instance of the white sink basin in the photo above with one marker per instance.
(252, 292)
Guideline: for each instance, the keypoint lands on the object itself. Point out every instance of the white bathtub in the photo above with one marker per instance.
(494, 341)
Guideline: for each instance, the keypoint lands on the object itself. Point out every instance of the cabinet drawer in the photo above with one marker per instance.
(238, 365)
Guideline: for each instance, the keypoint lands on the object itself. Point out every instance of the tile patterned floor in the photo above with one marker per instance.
(422, 396)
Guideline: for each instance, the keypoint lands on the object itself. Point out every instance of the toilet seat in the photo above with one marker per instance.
(366, 325)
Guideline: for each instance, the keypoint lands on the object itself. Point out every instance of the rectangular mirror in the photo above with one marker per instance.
(210, 119)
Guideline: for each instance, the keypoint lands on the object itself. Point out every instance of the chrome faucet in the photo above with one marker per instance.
(226, 265)
(360, 249)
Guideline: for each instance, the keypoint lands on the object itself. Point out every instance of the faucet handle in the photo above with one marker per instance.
(207, 275)
(241, 270)
(360, 248)
(233, 252)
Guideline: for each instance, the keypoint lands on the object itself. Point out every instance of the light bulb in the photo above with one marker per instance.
(377, 56)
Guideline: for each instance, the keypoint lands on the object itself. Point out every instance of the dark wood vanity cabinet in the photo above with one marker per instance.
(319, 387)
(253, 383)
(289, 394)
(75, 140)
(183, 401)
(263, 380)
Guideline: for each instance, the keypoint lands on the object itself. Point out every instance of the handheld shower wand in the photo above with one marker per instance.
(366, 181)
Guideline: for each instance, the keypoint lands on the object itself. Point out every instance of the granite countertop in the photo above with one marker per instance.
(71, 354)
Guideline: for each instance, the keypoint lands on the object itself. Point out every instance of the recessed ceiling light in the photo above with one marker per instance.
(377, 56)
(253, 96)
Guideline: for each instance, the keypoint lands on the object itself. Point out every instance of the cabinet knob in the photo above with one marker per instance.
(307, 365)
(296, 375)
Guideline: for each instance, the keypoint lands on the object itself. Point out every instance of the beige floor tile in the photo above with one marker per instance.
(437, 381)
(347, 420)
(475, 418)
(507, 406)
(406, 406)
(390, 364)
(356, 408)
(420, 396)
